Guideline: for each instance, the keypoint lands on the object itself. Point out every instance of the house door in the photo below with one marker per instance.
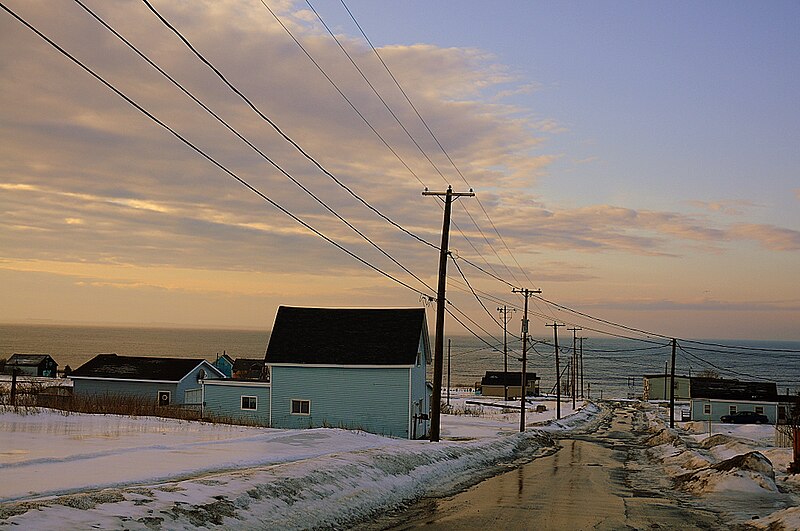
(163, 398)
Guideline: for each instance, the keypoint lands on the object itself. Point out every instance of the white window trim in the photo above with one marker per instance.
(733, 409)
(241, 403)
(706, 409)
(300, 400)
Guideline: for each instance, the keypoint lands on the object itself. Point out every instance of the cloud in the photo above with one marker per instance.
(729, 207)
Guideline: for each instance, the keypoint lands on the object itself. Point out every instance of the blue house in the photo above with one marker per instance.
(711, 398)
(169, 381)
(350, 368)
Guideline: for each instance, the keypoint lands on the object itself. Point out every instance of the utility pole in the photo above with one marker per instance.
(555, 326)
(581, 340)
(448, 371)
(523, 379)
(672, 387)
(574, 371)
(504, 311)
(438, 354)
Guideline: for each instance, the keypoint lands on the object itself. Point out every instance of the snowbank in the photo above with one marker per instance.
(82, 471)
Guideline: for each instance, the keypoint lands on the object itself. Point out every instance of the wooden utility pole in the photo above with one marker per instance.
(524, 376)
(672, 387)
(504, 311)
(448, 371)
(555, 326)
(574, 371)
(438, 354)
(581, 340)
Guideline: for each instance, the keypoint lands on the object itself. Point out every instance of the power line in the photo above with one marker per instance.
(438, 143)
(280, 132)
(248, 142)
(202, 153)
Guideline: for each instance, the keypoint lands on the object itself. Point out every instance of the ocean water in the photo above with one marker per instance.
(612, 367)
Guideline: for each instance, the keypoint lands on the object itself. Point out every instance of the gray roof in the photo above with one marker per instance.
(717, 388)
(511, 378)
(117, 367)
(28, 360)
(346, 336)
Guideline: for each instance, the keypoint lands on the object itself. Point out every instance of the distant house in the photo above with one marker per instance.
(250, 369)
(714, 397)
(350, 368)
(32, 365)
(169, 381)
(656, 387)
(225, 364)
(494, 383)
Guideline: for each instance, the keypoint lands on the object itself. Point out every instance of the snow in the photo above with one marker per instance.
(81, 471)
(736, 467)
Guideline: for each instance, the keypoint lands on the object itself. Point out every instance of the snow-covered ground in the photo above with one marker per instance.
(735, 468)
(110, 472)
(77, 471)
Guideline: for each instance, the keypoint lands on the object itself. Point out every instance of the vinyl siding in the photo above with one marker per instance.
(722, 407)
(224, 401)
(419, 396)
(371, 399)
(146, 390)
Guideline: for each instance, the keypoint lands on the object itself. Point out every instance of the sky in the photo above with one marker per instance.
(636, 161)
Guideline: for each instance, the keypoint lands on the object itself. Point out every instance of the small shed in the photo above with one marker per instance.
(714, 397)
(33, 365)
(168, 381)
(494, 383)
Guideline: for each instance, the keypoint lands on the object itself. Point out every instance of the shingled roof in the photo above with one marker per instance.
(117, 367)
(346, 336)
(511, 378)
(733, 390)
(28, 360)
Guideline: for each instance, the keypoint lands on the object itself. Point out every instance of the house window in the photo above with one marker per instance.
(250, 402)
(782, 412)
(706, 409)
(301, 407)
(760, 410)
(732, 410)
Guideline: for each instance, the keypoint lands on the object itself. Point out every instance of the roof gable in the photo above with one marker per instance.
(346, 336)
(116, 367)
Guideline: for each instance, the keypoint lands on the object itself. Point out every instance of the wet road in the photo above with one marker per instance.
(585, 485)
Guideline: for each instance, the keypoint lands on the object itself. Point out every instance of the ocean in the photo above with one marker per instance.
(612, 367)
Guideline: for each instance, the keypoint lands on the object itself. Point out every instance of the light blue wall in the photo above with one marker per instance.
(371, 399)
(224, 401)
(720, 407)
(190, 381)
(146, 390)
(419, 396)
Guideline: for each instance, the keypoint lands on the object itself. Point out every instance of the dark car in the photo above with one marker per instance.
(745, 417)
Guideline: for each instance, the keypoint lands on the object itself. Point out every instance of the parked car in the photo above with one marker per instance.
(745, 417)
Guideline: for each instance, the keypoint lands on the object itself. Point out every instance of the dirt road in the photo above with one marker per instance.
(585, 485)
